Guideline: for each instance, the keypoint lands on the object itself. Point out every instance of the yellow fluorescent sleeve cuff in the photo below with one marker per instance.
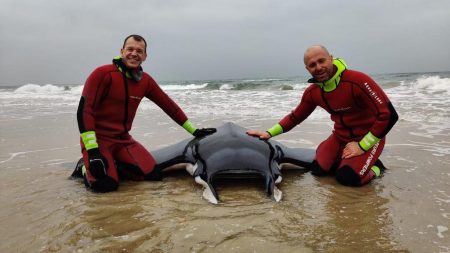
(275, 130)
(189, 127)
(89, 140)
(376, 170)
(368, 141)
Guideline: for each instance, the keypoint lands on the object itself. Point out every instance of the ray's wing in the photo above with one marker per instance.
(172, 155)
(302, 157)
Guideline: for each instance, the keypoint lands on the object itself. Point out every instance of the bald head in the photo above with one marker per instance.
(319, 63)
(314, 49)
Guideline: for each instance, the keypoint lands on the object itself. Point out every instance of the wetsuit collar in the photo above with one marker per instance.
(333, 82)
(135, 75)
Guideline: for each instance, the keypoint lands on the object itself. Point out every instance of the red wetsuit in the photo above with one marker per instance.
(356, 106)
(108, 106)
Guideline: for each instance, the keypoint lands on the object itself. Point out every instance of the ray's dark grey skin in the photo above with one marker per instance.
(231, 152)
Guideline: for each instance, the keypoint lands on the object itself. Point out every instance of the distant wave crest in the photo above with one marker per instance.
(432, 84)
(423, 84)
(48, 89)
(191, 86)
(240, 85)
(36, 88)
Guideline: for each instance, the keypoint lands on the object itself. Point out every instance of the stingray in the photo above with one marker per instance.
(230, 152)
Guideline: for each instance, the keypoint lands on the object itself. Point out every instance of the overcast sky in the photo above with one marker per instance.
(62, 41)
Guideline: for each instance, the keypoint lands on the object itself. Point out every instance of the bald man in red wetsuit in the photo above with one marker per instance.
(361, 112)
(106, 111)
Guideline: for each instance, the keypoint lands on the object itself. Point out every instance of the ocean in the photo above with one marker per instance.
(406, 210)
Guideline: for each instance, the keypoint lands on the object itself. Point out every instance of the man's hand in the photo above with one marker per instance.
(98, 165)
(263, 135)
(202, 132)
(352, 149)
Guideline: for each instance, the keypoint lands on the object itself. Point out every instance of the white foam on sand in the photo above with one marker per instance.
(13, 155)
(441, 230)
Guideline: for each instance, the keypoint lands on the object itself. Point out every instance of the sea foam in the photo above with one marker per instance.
(432, 84)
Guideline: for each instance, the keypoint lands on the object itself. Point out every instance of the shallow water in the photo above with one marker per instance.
(407, 210)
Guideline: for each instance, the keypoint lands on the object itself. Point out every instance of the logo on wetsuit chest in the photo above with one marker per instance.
(135, 97)
(341, 109)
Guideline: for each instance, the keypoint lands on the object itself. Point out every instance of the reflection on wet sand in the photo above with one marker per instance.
(329, 217)
(355, 219)
(316, 215)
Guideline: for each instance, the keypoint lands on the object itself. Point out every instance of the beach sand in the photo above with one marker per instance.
(407, 210)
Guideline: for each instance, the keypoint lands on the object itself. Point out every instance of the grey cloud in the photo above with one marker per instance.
(52, 41)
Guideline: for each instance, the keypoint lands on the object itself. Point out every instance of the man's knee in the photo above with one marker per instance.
(317, 170)
(134, 172)
(347, 176)
(105, 184)
(155, 175)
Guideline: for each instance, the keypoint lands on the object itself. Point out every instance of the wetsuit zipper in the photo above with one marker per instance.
(341, 115)
(125, 119)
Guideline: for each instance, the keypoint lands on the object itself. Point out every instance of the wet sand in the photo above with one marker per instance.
(407, 210)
